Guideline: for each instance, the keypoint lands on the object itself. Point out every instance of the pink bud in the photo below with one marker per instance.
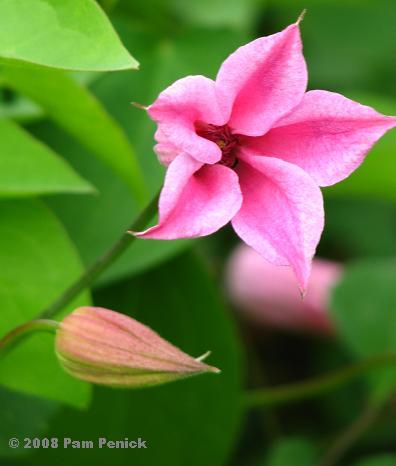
(108, 348)
(269, 294)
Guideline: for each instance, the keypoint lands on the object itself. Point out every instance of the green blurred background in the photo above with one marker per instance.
(66, 220)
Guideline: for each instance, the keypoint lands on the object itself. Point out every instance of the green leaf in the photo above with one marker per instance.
(98, 213)
(195, 51)
(28, 167)
(387, 459)
(22, 416)
(193, 421)
(61, 34)
(165, 63)
(296, 451)
(38, 262)
(375, 177)
(76, 110)
(363, 306)
(20, 109)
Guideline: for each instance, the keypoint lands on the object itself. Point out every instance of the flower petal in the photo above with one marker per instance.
(179, 107)
(196, 200)
(165, 153)
(327, 135)
(165, 150)
(262, 81)
(282, 212)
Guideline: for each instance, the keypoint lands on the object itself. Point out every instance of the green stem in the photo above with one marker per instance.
(103, 262)
(316, 386)
(12, 337)
(351, 434)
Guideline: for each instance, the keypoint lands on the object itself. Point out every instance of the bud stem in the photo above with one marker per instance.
(21, 331)
(103, 262)
(83, 282)
(315, 386)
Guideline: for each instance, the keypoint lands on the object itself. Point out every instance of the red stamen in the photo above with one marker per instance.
(224, 138)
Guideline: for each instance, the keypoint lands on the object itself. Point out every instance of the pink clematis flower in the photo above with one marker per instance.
(253, 147)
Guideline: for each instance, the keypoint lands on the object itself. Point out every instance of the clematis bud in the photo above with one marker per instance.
(268, 294)
(108, 348)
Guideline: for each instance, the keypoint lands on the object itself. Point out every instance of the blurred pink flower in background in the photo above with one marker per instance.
(268, 294)
(253, 147)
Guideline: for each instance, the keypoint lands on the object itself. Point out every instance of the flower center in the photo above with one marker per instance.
(224, 138)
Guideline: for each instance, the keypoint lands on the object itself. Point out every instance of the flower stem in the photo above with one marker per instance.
(103, 262)
(12, 337)
(351, 434)
(316, 386)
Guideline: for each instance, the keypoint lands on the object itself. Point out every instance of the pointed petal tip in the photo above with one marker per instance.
(302, 275)
(140, 106)
(206, 367)
(203, 356)
(301, 17)
(303, 292)
(155, 232)
(212, 369)
(388, 119)
(141, 234)
(137, 234)
(302, 280)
